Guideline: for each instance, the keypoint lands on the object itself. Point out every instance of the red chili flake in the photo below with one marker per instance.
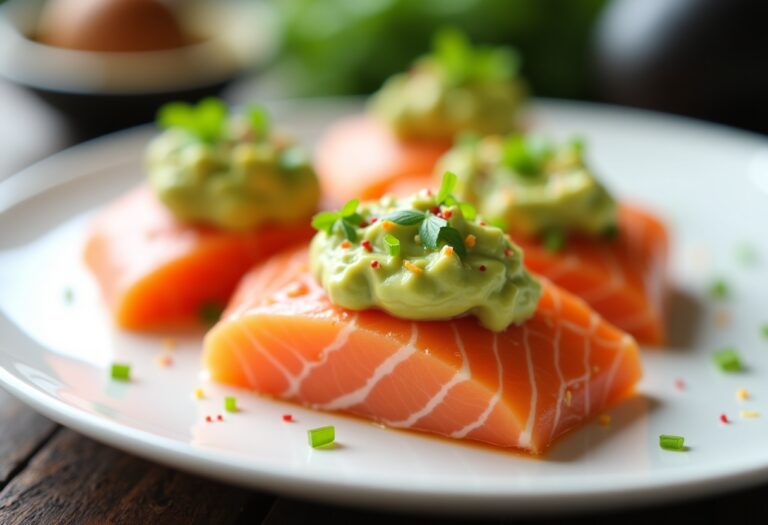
(345, 244)
(447, 214)
(219, 418)
(287, 418)
(483, 223)
(435, 210)
(429, 192)
(363, 224)
(374, 264)
(679, 384)
(374, 219)
(482, 268)
(367, 245)
(723, 418)
(508, 252)
(208, 419)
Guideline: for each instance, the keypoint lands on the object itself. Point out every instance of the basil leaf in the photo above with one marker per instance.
(349, 231)
(406, 217)
(452, 237)
(324, 221)
(430, 229)
(446, 186)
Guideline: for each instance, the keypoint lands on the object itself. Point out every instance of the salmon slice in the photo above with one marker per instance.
(520, 388)
(358, 157)
(155, 272)
(623, 279)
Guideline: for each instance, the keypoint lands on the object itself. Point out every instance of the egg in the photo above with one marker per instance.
(110, 25)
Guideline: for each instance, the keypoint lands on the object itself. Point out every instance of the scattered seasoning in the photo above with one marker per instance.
(230, 404)
(387, 225)
(345, 244)
(412, 267)
(719, 289)
(69, 295)
(393, 244)
(728, 360)
(121, 371)
(373, 220)
(470, 241)
(447, 251)
(742, 394)
(679, 384)
(219, 417)
(508, 252)
(288, 418)
(208, 419)
(321, 437)
(363, 224)
(367, 245)
(199, 393)
(297, 290)
(724, 419)
(169, 343)
(722, 318)
(447, 214)
(210, 313)
(482, 268)
(374, 264)
(605, 420)
(435, 210)
(568, 397)
(668, 442)
(749, 413)
(163, 360)
(483, 223)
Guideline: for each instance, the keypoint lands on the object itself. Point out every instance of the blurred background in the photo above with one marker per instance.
(74, 69)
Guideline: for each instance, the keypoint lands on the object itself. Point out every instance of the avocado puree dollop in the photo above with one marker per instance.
(418, 258)
(456, 88)
(228, 171)
(532, 185)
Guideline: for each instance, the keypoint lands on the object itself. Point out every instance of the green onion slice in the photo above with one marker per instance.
(321, 437)
(230, 404)
(121, 371)
(393, 244)
(668, 442)
(728, 360)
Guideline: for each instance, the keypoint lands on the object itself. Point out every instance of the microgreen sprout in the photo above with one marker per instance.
(347, 219)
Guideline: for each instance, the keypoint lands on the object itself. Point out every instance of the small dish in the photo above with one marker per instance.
(104, 91)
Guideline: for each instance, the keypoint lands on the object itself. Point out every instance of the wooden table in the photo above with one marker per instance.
(50, 474)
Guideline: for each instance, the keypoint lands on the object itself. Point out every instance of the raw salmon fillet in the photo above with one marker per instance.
(155, 272)
(623, 279)
(358, 157)
(520, 388)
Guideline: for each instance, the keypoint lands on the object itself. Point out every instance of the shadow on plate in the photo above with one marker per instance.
(683, 319)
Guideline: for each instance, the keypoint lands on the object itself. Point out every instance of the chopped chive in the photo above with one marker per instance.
(230, 404)
(728, 360)
(69, 295)
(210, 313)
(321, 437)
(121, 371)
(393, 244)
(719, 289)
(746, 254)
(764, 330)
(554, 241)
(668, 442)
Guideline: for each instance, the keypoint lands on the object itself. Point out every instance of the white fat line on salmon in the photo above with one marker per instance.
(338, 343)
(241, 359)
(525, 436)
(616, 279)
(264, 352)
(626, 343)
(461, 375)
(384, 369)
(480, 421)
(558, 370)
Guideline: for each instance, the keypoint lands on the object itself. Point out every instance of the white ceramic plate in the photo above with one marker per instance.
(709, 183)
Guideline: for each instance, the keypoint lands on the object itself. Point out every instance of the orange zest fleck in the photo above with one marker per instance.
(345, 244)
(387, 225)
(412, 267)
(470, 241)
(447, 250)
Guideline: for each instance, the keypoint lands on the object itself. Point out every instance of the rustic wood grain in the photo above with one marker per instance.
(76, 480)
(22, 431)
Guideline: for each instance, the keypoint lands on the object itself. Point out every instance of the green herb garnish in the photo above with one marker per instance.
(347, 219)
(526, 155)
(393, 244)
(205, 120)
(321, 437)
(121, 372)
(69, 295)
(259, 120)
(668, 442)
(719, 289)
(460, 62)
(554, 241)
(728, 360)
(764, 330)
(447, 185)
(210, 313)
(230, 404)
